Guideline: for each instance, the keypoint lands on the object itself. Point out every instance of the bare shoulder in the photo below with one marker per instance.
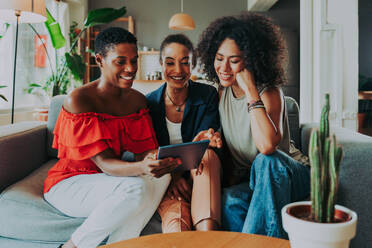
(273, 98)
(81, 100)
(137, 99)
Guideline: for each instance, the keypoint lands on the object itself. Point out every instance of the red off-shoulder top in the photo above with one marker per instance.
(78, 137)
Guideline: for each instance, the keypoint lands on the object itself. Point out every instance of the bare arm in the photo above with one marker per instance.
(112, 165)
(266, 123)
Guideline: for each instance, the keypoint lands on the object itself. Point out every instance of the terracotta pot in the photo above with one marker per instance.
(308, 234)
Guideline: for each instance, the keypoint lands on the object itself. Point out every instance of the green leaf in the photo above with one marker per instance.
(34, 85)
(7, 25)
(76, 65)
(4, 98)
(104, 15)
(58, 40)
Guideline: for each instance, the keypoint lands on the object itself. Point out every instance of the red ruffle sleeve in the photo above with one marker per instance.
(80, 136)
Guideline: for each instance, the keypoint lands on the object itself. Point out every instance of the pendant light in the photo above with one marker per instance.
(181, 21)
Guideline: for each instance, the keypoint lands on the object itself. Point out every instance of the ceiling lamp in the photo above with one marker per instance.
(181, 21)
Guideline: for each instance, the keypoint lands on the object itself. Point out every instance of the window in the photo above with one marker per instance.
(33, 65)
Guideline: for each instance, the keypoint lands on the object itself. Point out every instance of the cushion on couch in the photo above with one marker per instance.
(32, 217)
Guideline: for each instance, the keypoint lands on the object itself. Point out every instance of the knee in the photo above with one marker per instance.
(162, 182)
(211, 161)
(265, 163)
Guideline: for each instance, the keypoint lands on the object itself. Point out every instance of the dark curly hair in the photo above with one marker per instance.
(263, 48)
(109, 37)
(179, 39)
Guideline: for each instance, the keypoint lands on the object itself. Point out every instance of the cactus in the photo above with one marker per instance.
(325, 158)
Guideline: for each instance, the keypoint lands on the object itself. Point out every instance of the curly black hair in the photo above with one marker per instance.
(109, 37)
(179, 39)
(260, 40)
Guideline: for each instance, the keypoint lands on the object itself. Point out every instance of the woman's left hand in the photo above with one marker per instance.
(211, 135)
(246, 82)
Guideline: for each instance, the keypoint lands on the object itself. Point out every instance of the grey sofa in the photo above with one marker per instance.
(27, 221)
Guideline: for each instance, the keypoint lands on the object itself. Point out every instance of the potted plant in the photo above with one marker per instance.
(72, 63)
(320, 223)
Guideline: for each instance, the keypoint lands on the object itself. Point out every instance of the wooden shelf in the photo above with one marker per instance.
(148, 81)
(91, 66)
(141, 55)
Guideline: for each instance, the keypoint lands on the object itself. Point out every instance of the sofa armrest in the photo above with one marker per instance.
(23, 148)
(355, 177)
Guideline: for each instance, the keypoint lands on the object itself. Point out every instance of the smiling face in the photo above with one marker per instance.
(176, 61)
(228, 62)
(119, 66)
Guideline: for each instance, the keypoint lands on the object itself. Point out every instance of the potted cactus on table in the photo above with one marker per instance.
(320, 223)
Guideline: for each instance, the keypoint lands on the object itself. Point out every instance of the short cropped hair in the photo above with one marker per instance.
(263, 48)
(109, 37)
(179, 39)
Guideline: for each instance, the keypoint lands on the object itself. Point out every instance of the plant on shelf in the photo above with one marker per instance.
(321, 223)
(2, 96)
(71, 64)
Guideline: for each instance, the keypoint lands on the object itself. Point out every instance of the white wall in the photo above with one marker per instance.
(329, 60)
(78, 10)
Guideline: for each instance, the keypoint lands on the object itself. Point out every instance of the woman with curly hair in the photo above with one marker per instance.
(246, 57)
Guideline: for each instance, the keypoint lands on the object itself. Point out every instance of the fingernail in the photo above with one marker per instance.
(179, 198)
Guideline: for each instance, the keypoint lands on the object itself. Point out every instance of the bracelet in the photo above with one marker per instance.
(255, 107)
(254, 103)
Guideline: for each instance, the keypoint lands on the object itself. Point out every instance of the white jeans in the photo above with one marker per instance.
(118, 207)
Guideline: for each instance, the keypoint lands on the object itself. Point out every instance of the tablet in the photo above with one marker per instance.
(190, 153)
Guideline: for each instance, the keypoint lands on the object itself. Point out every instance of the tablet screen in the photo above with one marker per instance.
(190, 153)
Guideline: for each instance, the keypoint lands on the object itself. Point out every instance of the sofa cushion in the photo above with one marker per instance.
(54, 109)
(27, 139)
(25, 215)
(293, 119)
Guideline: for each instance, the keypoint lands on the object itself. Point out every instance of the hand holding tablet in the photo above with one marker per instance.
(190, 153)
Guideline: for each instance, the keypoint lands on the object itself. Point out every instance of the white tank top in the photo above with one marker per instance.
(174, 131)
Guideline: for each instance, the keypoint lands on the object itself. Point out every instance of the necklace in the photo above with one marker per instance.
(178, 107)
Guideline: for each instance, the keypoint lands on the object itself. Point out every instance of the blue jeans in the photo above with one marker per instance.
(254, 207)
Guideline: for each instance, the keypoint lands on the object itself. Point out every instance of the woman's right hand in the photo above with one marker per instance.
(211, 135)
(159, 167)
